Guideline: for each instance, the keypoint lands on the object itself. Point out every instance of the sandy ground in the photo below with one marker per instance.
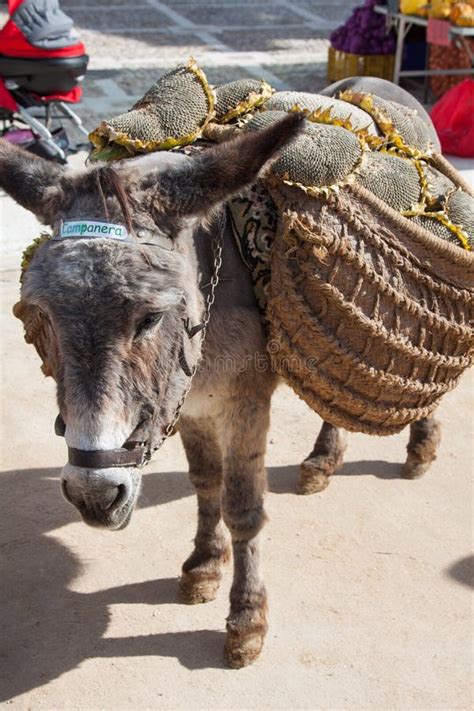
(369, 581)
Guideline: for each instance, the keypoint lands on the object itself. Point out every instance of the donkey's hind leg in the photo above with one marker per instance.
(326, 457)
(201, 572)
(425, 436)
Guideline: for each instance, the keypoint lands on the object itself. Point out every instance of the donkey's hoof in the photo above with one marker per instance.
(312, 479)
(242, 650)
(246, 632)
(201, 578)
(195, 588)
(414, 470)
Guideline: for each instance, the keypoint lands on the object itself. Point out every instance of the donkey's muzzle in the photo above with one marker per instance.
(105, 498)
(111, 496)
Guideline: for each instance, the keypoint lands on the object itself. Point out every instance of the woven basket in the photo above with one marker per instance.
(369, 315)
(343, 64)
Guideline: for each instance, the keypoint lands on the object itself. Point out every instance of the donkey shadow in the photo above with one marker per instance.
(282, 480)
(48, 629)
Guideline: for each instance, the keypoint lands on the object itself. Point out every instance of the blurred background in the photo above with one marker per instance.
(300, 45)
(130, 44)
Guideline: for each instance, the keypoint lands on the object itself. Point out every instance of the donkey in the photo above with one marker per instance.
(122, 328)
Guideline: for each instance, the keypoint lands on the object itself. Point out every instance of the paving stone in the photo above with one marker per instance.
(315, 5)
(217, 3)
(91, 87)
(236, 14)
(109, 20)
(333, 12)
(223, 75)
(117, 48)
(138, 81)
(68, 5)
(279, 39)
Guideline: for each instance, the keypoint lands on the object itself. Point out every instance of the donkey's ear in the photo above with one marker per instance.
(198, 184)
(34, 183)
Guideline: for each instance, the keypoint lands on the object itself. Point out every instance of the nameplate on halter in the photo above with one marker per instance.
(92, 229)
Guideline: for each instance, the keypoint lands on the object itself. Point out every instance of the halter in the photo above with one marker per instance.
(138, 449)
(134, 452)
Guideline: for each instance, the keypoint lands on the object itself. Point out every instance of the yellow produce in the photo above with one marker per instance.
(440, 9)
(462, 13)
(414, 7)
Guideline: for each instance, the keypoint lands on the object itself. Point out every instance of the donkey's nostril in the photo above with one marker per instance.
(100, 496)
(123, 493)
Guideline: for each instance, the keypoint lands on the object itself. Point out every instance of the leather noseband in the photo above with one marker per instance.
(134, 452)
(105, 458)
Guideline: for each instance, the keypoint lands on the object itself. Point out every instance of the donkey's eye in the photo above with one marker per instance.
(147, 323)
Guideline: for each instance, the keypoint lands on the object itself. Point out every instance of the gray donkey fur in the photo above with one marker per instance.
(114, 313)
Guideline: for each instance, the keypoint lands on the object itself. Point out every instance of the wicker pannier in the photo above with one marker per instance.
(369, 315)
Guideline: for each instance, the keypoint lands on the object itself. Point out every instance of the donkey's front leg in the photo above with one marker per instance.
(201, 572)
(326, 457)
(244, 488)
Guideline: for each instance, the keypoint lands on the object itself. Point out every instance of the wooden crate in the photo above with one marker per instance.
(343, 64)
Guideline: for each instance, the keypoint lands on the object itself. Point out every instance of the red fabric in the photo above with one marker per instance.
(452, 116)
(438, 32)
(13, 5)
(70, 97)
(6, 99)
(8, 102)
(14, 44)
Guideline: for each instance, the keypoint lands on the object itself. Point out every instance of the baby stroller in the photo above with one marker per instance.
(42, 62)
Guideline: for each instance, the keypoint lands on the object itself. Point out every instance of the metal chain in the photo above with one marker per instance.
(217, 247)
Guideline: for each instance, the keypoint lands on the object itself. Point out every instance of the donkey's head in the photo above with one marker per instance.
(113, 319)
